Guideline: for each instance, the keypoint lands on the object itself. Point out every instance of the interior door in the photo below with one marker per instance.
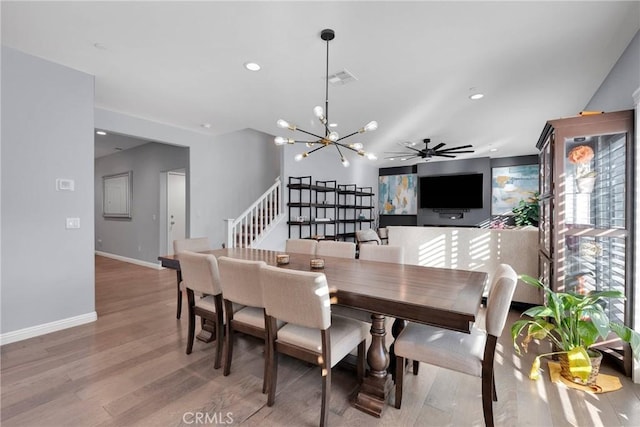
(176, 203)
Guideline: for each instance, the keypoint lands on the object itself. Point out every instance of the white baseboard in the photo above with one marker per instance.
(47, 328)
(131, 260)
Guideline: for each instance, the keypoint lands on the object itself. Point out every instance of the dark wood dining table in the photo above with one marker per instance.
(446, 298)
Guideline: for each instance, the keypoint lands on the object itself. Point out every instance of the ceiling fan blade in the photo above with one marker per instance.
(414, 149)
(437, 147)
(403, 156)
(457, 152)
(444, 155)
(457, 148)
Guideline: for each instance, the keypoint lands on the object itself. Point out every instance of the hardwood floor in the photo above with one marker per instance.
(129, 368)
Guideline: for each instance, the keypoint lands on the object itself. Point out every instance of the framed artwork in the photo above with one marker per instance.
(397, 195)
(509, 185)
(117, 195)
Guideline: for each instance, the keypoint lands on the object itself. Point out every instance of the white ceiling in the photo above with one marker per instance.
(415, 63)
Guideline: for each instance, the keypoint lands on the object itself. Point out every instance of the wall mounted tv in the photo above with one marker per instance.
(451, 191)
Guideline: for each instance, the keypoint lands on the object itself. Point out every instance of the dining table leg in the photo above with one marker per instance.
(376, 385)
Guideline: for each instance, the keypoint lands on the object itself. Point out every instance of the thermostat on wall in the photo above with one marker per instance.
(65, 184)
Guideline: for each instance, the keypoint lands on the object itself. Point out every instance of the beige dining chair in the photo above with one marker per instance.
(336, 249)
(382, 253)
(472, 353)
(200, 275)
(240, 283)
(367, 236)
(383, 232)
(196, 244)
(310, 333)
(301, 246)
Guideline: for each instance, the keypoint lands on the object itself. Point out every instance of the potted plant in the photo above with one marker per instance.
(527, 212)
(572, 323)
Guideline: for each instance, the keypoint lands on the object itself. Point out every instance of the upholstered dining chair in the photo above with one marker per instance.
(196, 244)
(472, 353)
(310, 333)
(383, 232)
(382, 253)
(240, 283)
(336, 249)
(200, 275)
(367, 236)
(301, 246)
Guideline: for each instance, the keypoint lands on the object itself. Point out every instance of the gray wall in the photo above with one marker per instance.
(615, 93)
(47, 133)
(474, 216)
(227, 172)
(138, 238)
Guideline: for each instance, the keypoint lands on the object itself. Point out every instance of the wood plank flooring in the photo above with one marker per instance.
(129, 368)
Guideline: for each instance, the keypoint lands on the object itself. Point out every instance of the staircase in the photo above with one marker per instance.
(253, 224)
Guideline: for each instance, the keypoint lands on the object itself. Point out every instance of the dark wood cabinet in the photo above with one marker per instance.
(586, 209)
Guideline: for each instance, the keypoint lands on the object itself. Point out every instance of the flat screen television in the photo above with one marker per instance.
(463, 191)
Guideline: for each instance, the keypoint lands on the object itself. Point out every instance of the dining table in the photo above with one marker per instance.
(442, 297)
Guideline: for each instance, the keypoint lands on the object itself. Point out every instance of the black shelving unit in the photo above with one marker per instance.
(355, 210)
(312, 208)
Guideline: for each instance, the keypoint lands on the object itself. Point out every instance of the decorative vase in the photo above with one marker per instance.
(585, 185)
(596, 358)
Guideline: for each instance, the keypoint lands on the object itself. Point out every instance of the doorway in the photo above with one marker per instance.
(176, 208)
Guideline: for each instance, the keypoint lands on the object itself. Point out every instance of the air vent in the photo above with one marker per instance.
(341, 78)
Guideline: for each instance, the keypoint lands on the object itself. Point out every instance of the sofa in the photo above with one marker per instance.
(473, 249)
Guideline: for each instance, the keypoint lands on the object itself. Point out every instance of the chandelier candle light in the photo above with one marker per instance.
(330, 137)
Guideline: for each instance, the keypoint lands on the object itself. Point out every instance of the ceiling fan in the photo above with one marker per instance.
(427, 153)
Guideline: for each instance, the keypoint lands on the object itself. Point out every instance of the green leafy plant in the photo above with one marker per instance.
(573, 323)
(528, 211)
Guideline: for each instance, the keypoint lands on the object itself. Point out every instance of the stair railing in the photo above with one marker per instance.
(253, 223)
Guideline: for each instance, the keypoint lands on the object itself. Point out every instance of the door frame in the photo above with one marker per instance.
(163, 221)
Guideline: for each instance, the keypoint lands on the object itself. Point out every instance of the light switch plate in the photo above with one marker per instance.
(73, 223)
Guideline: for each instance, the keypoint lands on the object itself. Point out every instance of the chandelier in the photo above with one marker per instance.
(331, 137)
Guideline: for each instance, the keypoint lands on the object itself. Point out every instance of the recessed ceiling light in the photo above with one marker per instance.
(476, 96)
(493, 150)
(252, 66)
(333, 125)
(101, 132)
(206, 125)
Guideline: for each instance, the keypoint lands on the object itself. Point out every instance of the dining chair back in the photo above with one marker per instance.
(311, 333)
(301, 246)
(241, 287)
(196, 244)
(472, 353)
(382, 253)
(200, 274)
(336, 249)
(367, 236)
(383, 232)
